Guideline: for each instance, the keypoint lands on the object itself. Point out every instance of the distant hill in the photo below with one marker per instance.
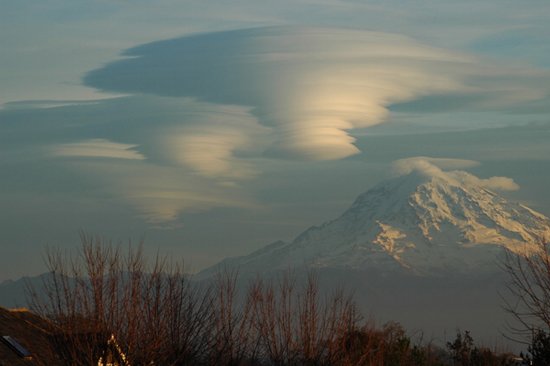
(13, 293)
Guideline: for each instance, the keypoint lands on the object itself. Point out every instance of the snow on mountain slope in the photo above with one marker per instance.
(426, 222)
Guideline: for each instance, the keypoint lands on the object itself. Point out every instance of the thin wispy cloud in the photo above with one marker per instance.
(98, 148)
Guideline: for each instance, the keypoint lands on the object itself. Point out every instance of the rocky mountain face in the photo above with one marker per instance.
(421, 223)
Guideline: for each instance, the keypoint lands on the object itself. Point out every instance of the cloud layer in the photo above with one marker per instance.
(207, 112)
(313, 86)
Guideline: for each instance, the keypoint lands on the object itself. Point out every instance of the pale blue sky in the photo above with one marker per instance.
(211, 128)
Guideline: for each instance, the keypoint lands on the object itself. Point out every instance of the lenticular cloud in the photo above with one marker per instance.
(310, 86)
(445, 168)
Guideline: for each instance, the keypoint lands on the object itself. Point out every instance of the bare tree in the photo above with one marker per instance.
(296, 326)
(151, 308)
(528, 298)
(234, 339)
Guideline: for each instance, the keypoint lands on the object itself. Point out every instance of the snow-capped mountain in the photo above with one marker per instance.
(426, 222)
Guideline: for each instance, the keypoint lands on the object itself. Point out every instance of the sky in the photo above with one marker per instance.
(209, 129)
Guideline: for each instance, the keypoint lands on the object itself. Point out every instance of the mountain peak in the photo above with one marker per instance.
(426, 221)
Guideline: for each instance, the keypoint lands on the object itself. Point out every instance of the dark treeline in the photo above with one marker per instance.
(156, 315)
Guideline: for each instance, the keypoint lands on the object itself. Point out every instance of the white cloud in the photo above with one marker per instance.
(500, 184)
(210, 152)
(210, 139)
(446, 168)
(311, 85)
(192, 156)
(98, 148)
(430, 166)
(314, 85)
(160, 194)
(492, 183)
